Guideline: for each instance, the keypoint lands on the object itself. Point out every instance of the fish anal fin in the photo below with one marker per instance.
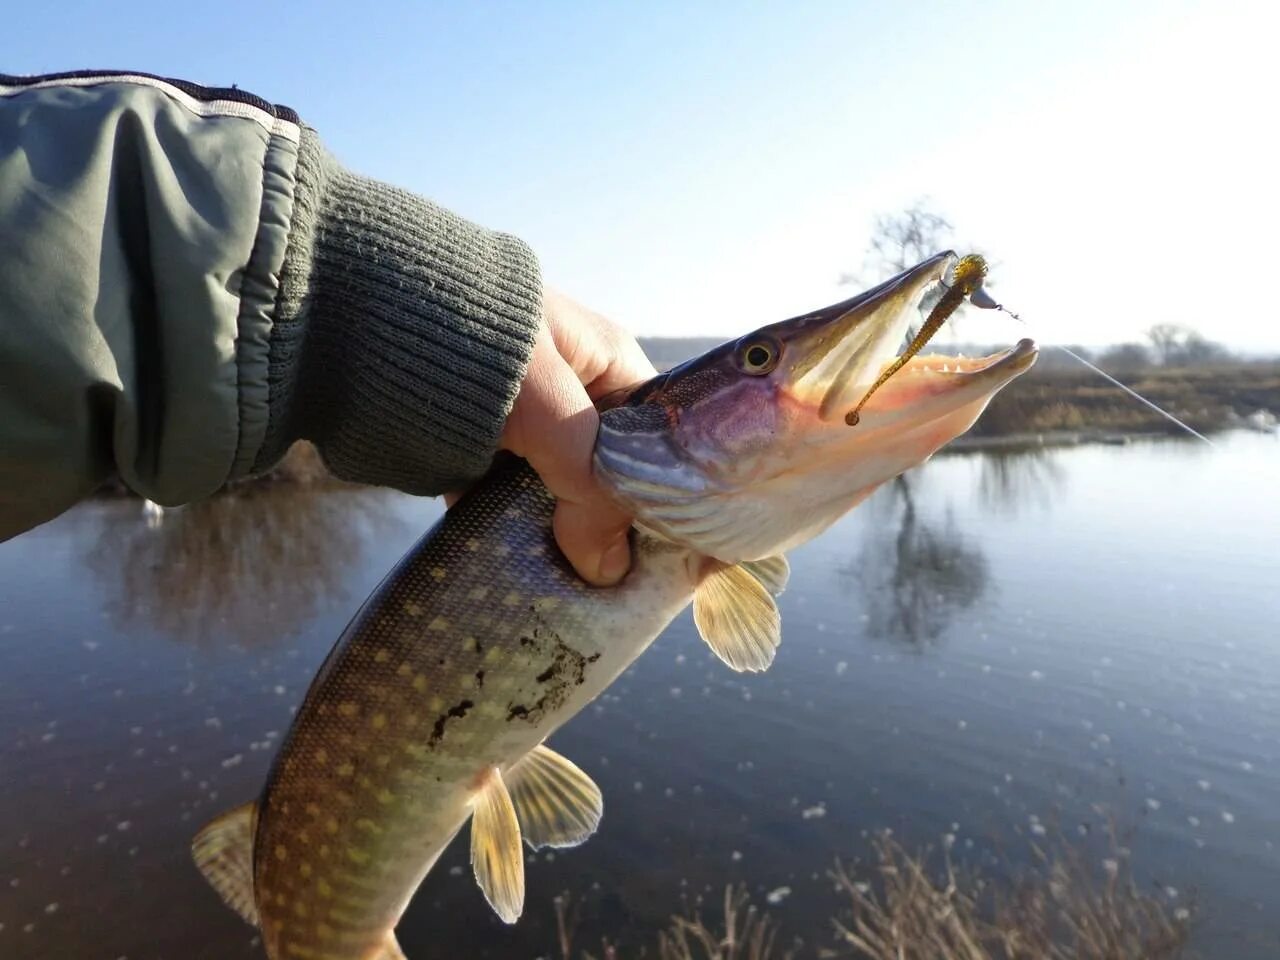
(496, 855)
(556, 803)
(773, 572)
(390, 950)
(737, 618)
(223, 850)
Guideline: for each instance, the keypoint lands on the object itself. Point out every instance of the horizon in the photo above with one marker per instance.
(715, 168)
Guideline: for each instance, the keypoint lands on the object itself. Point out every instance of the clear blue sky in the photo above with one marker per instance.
(704, 168)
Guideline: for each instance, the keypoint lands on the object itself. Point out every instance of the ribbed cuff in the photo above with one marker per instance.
(402, 332)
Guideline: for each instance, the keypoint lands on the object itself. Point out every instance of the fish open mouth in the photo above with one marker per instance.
(841, 355)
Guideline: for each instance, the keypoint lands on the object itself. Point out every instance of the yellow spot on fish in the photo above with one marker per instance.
(281, 852)
(546, 603)
(494, 655)
(382, 656)
(368, 826)
(346, 769)
(348, 709)
(385, 796)
(470, 645)
(313, 809)
(420, 682)
(478, 593)
(322, 755)
(439, 573)
(357, 856)
(280, 900)
(404, 669)
(383, 759)
(323, 930)
(435, 704)
(300, 908)
(378, 721)
(324, 849)
(330, 827)
(502, 551)
(304, 869)
(417, 751)
(473, 544)
(413, 609)
(511, 599)
(323, 888)
(343, 917)
(439, 625)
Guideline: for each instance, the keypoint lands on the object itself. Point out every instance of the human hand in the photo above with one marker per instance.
(578, 356)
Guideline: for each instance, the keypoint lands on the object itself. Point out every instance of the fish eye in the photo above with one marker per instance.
(759, 357)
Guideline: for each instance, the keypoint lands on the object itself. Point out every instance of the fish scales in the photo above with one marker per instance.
(477, 646)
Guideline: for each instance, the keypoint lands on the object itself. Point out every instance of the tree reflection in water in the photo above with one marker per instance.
(915, 573)
(250, 566)
(1016, 478)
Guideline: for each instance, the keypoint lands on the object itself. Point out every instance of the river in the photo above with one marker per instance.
(1003, 648)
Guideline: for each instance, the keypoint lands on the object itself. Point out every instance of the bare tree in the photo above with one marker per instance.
(1175, 345)
(1166, 342)
(901, 240)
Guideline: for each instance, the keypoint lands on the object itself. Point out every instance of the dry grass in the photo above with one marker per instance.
(920, 907)
(1061, 910)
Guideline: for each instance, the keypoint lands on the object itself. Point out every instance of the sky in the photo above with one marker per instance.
(705, 168)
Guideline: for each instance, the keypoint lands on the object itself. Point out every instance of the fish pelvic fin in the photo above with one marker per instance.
(223, 850)
(390, 950)
(772, 572)
(496, 855)
(556, 803)
(738, 618)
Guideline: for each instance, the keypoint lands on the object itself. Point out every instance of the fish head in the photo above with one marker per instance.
(746, 451)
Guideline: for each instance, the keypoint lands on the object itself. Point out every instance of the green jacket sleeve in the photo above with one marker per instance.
(189, 282)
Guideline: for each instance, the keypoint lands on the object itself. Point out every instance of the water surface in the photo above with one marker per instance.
(999, 646)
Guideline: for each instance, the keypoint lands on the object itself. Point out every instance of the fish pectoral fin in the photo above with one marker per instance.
(223, 850)
(556, 803)
(390, 949)
(496, 854)
(772, 572)
(738, 618)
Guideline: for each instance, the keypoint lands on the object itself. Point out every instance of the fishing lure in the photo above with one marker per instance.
(966, 282)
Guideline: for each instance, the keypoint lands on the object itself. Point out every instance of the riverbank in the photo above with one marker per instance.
(1079, 406)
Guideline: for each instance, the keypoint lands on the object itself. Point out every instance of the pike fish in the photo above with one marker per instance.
(434, 707)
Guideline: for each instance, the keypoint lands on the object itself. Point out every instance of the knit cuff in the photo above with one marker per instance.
(402, 332)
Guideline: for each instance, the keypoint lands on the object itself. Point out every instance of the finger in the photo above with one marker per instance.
(602, 354)
(553, 425)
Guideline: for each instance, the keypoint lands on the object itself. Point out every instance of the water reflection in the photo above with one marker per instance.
(249, 566)
(1012, 479)
(915, 573)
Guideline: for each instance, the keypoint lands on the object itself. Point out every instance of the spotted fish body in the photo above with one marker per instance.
(469, 654)
(434, 704)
